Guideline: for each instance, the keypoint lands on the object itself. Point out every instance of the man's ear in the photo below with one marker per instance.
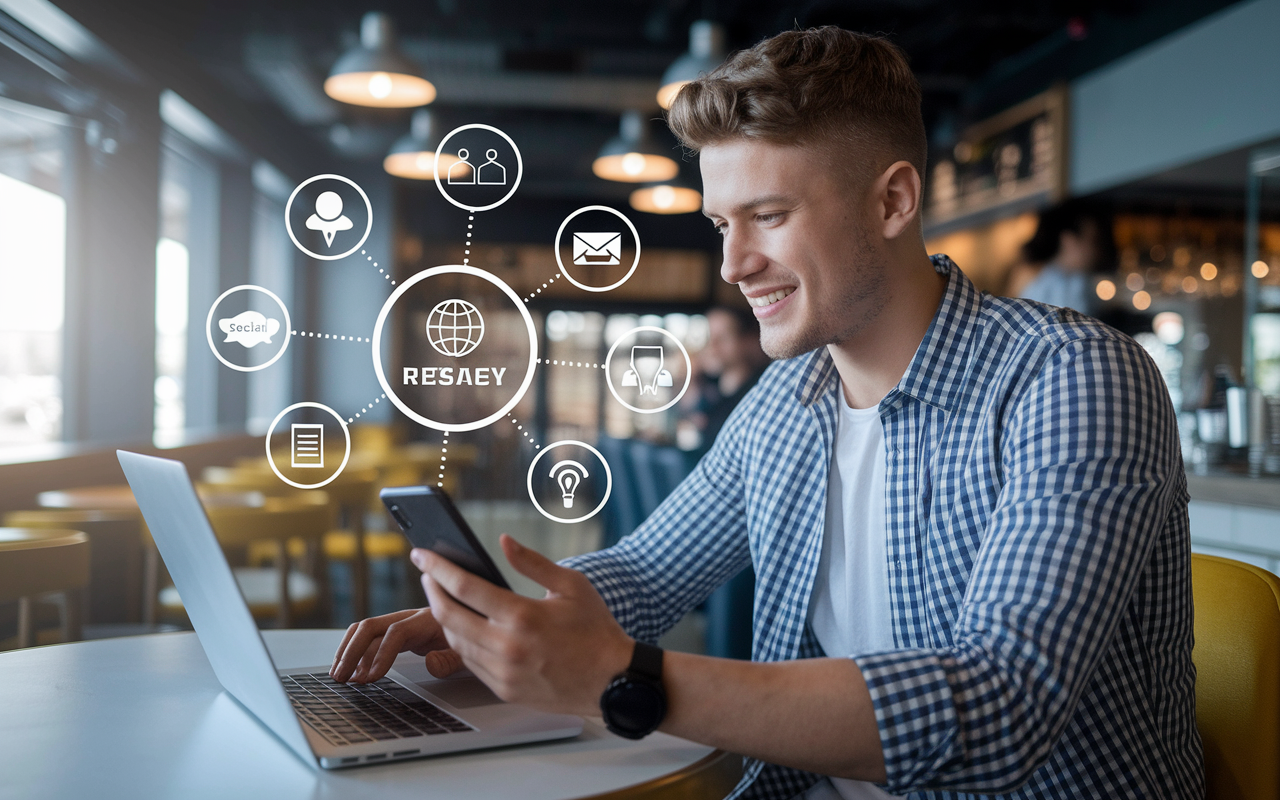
(898, 190)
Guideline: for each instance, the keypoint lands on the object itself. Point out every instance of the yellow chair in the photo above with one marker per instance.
(279, 591)
(116, 564)
(35, 562)
(352, 493)
(1237, 658)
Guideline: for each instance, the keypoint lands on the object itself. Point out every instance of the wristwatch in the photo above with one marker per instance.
(634, 703)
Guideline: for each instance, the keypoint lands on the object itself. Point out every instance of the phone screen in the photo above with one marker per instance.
(431, 521)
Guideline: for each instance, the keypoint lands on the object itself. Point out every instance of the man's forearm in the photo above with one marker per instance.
(812, 714)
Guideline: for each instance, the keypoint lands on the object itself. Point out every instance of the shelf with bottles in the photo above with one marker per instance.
(1172, 258)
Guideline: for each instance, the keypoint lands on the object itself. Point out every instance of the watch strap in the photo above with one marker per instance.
(646, 662)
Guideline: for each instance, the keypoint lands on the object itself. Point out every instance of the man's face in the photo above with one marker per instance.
(798, 242)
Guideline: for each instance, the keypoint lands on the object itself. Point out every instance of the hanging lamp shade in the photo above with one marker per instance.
(676, 196)
(633, 156)
(376, 73)
(414, 154)
(706, 52)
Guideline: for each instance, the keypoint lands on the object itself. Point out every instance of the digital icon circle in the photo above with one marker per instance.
(306, 446)
(647, 370)
(476, 169)
(250, 329)
(597, 247)
(455, 328)
(443, 344)
(569, 476)
(329, 217)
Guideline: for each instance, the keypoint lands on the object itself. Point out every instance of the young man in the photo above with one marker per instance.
(966, 514)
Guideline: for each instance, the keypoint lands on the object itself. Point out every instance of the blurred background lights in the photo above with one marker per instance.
(1208, 271)
(632, 156)
(376, 73)
(1260, 269)
(1142, 301)
(1106, 290)
(1168, 327)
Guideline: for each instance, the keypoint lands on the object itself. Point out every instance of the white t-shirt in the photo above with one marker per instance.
(849, 609)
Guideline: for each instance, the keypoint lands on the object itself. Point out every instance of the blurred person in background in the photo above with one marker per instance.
(1069, 244)
(728, 367)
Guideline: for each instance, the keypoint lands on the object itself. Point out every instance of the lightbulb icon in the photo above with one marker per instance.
(568, 475)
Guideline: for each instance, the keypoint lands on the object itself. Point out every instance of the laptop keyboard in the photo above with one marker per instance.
(351, 713)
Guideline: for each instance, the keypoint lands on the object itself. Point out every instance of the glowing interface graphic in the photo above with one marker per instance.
(472, 350)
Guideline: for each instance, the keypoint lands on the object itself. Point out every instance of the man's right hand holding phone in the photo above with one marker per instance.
(370, 647)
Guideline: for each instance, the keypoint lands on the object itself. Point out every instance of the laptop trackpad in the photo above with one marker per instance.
(462, 692)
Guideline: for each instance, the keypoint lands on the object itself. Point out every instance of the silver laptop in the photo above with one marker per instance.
(332, 724)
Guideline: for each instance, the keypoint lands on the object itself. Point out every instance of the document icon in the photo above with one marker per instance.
(307, 446)
(597, 248)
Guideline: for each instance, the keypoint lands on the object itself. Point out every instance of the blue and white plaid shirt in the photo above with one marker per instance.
(1038, 556)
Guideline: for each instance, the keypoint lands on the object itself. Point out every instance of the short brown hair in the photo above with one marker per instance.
(818, 86)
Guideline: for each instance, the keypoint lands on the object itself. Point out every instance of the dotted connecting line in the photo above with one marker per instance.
(537, 292)
(314, 335)
(367, 408)
(385, 275)
(444, 448)
(466, 252)
(524, 433)
(558, 363)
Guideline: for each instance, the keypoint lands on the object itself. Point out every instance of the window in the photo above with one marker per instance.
(33, 221)
(185, 253)
(271, 266)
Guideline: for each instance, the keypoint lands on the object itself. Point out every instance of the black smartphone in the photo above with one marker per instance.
(430, 520)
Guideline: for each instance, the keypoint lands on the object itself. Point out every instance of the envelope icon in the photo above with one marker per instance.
(597, 248)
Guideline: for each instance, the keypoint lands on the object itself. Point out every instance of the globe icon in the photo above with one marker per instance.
(455, 328)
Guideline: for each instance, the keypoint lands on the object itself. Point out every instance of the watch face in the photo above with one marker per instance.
(633, 707)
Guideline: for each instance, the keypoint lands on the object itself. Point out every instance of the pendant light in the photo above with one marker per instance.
(676, 196)
(414, 154)
(633, 156)
(376, 73)
(706, 52)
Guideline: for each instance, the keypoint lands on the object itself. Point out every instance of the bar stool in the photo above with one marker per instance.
(279, 591)
(35, 562)
(114, 595)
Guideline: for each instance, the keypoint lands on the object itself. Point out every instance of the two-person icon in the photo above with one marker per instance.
(329, 218)
(490, 173)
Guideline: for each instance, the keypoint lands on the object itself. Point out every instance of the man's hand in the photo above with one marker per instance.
(371, 646)
(557, 654)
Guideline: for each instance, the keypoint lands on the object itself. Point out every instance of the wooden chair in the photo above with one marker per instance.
(115, 594)
(1237, 658)
(279, 591)
(35, 562)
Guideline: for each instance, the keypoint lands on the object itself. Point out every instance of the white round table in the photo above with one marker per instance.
(144, 717)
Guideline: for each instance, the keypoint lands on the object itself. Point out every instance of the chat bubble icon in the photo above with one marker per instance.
(249, 328)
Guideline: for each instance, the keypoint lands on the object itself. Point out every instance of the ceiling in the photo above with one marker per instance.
(555, 75)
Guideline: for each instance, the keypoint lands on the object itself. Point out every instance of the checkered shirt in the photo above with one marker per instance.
(1038, 556)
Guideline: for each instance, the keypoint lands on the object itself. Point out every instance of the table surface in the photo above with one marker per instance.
(119, 497)
(144, 717)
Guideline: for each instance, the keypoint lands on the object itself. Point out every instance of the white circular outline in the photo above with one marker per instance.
(560, 260)
(608, 483)
(345, 458)
(368, 207)
(449, 269)
(208, 327)
(688, 375)
(435, 168)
